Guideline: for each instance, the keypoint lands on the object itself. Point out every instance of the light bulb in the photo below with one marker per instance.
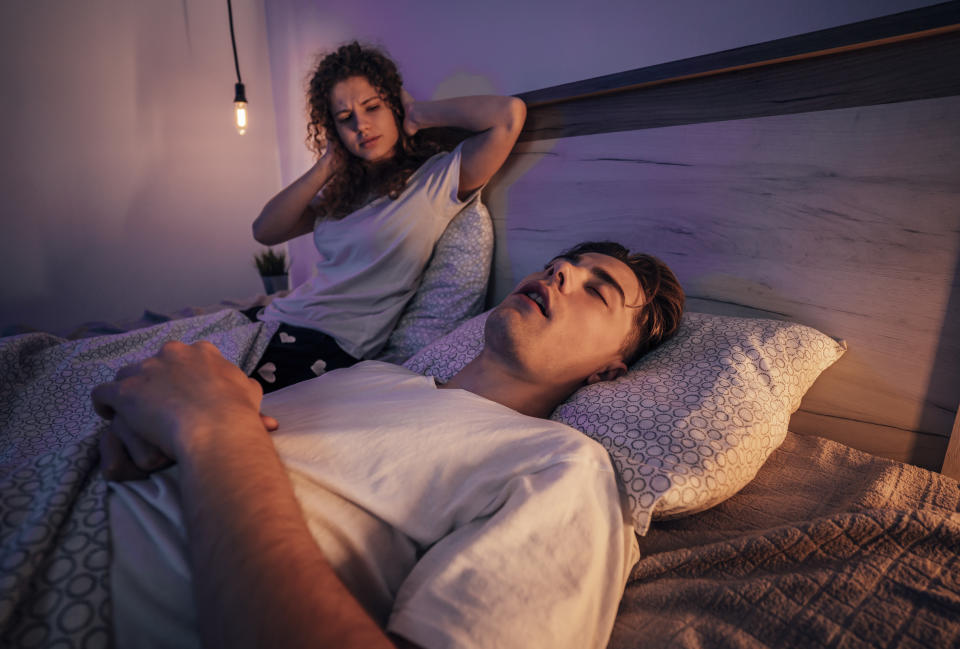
(240, 114)
(240, 108)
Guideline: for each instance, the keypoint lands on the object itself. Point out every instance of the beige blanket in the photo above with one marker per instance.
(827, 547)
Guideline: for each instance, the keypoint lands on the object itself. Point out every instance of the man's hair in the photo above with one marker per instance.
(659, 316)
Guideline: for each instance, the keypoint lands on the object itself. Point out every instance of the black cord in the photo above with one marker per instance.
(233, 40)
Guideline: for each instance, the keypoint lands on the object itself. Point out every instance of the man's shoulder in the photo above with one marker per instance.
(555, 441)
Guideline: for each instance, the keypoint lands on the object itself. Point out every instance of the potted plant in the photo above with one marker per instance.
(272, 267)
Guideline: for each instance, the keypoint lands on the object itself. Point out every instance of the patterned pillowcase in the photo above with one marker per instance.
(693, 421)
(453, 288)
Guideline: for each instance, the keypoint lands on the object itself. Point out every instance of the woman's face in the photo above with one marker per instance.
(365, 123)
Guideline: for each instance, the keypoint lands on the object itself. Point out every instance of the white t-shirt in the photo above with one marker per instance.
(371, 261)
(455, 521)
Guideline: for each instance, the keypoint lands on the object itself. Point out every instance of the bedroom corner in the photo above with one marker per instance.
(125, 184)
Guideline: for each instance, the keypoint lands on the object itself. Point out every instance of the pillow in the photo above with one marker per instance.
(692, 422)
(453, 288)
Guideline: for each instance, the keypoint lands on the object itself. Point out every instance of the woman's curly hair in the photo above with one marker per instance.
(358, 181)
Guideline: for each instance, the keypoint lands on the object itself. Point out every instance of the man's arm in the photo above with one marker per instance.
(547, 568)
(260, 578)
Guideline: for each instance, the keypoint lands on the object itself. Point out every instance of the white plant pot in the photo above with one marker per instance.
(274, 283)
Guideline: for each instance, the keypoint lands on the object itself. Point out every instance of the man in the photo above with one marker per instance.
(386, 510)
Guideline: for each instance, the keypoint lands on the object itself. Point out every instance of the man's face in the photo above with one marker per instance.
(569, 321)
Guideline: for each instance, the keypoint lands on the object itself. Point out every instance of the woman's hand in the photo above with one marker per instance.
(331, 157)
(286, 215)
(410, 126)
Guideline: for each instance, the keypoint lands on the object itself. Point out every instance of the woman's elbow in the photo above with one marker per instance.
(516, 114)
(261, 234)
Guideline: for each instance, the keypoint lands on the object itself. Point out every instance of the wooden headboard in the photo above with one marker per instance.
(814, 178)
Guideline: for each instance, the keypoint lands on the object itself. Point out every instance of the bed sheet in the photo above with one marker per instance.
(827, 547)
(54, 535)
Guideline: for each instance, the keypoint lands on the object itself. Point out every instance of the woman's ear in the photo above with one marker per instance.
(610, 371)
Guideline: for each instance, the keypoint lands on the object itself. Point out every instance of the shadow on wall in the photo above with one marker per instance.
(940, 407)
(525, 156)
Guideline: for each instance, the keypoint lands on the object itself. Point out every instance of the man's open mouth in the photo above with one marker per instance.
(537, 299)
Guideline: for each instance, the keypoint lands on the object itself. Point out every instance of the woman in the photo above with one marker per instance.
(377, 199)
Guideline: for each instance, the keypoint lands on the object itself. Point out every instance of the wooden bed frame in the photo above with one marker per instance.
(813, 178)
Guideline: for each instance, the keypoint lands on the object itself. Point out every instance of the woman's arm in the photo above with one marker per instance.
(498, 120)
(286, 216)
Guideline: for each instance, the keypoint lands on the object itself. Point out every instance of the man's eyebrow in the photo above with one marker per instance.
(601, 275)
(607, 278)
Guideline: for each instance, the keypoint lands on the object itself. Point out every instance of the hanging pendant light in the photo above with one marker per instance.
(240, 108)
(239, 92)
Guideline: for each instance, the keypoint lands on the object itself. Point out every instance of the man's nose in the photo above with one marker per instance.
(563, 274)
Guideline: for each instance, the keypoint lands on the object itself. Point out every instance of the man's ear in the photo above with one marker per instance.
(610, 371)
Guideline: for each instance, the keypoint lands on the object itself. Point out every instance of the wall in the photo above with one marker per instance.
(124, 183)
(508, 47)
(125, 186)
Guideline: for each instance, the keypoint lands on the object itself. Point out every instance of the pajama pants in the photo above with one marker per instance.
(296, 354)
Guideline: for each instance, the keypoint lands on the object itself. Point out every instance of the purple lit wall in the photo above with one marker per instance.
(124, 184)
(506, 46)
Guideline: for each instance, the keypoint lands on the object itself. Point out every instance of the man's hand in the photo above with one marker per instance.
(118, 463)
(158, 407)
(260, 579)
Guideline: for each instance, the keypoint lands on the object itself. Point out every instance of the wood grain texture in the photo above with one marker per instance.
(846, 220)
(899, 26)
(899, 71)
(894, 443)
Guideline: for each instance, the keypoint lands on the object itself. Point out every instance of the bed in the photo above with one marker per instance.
(814, 179)
(811, 180)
